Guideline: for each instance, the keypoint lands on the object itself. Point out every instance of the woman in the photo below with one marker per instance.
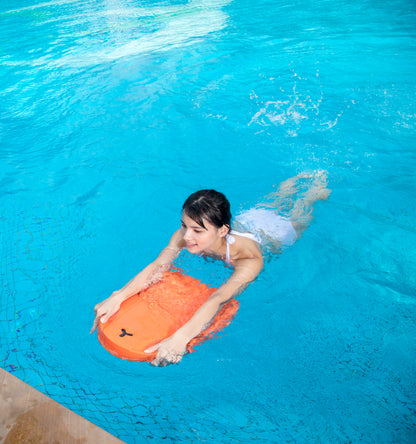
(206, 230)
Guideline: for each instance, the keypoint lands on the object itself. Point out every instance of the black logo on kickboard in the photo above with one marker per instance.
(124, 333)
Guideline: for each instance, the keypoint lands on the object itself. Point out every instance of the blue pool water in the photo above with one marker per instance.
(112, 112)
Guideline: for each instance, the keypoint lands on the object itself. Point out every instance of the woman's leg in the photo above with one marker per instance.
(301, 212)
(294, 199)
(283, 198)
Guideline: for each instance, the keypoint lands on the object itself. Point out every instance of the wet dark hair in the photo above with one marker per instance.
(211, 205)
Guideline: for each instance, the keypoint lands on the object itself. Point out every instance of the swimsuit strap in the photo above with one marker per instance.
(246, 234)
(230, 240)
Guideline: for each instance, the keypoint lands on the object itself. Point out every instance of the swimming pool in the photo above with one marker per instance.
(112, 112)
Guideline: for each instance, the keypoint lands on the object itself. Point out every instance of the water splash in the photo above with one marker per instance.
(295, 109)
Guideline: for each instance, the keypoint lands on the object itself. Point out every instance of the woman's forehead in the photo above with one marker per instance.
(188, 221)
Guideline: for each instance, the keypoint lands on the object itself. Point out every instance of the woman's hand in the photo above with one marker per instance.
(105, 309)
(169, 351)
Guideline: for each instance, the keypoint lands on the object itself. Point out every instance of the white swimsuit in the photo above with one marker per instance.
(267, 224)
(263, 226)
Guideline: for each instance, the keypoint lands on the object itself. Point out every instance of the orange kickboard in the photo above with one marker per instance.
(156, 313)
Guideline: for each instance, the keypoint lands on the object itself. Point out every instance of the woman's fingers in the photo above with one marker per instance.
(103, 313)
(152, 349)
(164, 357)
(94, 325)
(100, 315)
(159, 362)
(105, 317)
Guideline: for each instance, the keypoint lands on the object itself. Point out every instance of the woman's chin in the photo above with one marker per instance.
(192, 249)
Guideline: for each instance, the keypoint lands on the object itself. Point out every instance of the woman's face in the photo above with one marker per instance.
(199, 239)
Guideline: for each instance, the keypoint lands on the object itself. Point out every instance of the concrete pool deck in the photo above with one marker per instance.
(27, 416)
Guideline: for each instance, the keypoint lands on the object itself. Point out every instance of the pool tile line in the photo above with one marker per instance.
(29, 416)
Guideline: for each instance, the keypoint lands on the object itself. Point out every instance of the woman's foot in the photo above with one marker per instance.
(301, 213)
(318, 189)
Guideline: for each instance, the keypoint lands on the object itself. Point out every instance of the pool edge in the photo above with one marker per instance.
(27, 413)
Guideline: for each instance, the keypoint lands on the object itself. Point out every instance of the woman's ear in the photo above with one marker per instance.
(223, 231)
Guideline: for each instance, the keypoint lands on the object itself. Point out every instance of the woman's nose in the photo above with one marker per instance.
(187, 234)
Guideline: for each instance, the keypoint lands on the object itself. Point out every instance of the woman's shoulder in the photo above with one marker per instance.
(245, 246)
(246, 257)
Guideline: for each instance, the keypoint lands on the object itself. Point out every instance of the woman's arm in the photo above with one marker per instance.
(173, 348)
(149, 275)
